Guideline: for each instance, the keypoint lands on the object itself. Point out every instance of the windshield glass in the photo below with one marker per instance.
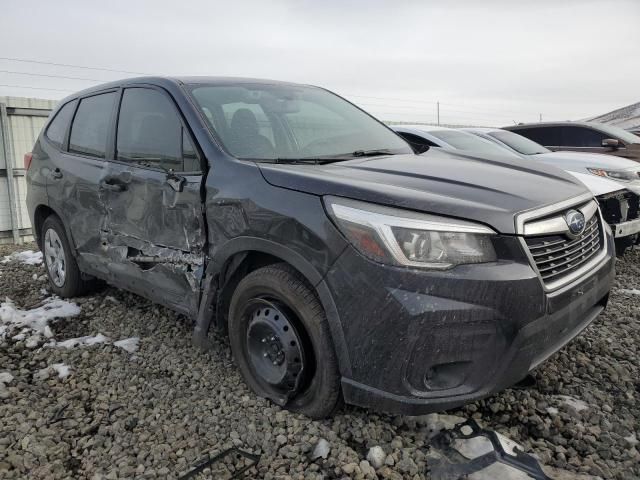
(518, 142)
(467, 141)
(617, 132)
(269, 122)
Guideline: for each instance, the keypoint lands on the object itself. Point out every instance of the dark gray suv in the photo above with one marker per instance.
(341, 264)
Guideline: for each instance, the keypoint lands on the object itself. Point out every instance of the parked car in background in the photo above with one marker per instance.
(422, 137)
(341, 264)
(582, 137)
(614, 181)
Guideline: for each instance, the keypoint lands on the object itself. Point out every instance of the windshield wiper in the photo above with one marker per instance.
(314, 160)
(339, 157)
(372, 153)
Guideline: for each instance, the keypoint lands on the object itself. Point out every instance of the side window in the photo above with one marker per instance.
(581, 137)
(547, 136)
(91, 125)
(58, 127)
(189, 155)
(151, 133)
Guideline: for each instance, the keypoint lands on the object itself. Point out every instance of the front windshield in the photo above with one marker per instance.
(285, 122)
(518, 142)
(617, 132)
(467, 141)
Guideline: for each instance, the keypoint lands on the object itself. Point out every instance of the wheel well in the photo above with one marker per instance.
(234, 270)
(40, 215)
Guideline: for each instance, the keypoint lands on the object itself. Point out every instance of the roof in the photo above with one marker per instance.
(179, 80)
(580, 123)
(481, 129)
(421, 127)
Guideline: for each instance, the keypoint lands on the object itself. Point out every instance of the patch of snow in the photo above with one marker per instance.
(435, 422)
(629, 291)
(111, 299)
(43, 292)
(473, 447)
(28, 257)
(552, 410)
(633, 441)
(80, 341)
(62, 369)
(499, 471)
(575, 403)
(34, 322)
(128, 344)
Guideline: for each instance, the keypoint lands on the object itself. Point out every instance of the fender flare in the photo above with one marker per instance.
(241, 245)
(56, 211)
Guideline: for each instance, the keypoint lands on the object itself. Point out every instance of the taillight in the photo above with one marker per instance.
(27, 160)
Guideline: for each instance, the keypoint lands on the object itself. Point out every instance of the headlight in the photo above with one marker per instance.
(620, 175)
(406, 238)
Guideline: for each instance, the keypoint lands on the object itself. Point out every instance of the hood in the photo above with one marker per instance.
(582, 160)
(489, 190)
(598, 185)
(578, 162)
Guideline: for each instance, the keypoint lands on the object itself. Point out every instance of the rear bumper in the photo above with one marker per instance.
(444, 339)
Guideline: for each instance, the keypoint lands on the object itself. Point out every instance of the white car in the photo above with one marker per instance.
(614, 181)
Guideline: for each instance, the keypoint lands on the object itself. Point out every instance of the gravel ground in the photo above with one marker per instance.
(155, 412)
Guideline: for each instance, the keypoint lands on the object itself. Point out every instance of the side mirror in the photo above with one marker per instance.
(611, 143)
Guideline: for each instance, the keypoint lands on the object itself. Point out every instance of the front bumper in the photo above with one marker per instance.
(423, 341)
(624, 229)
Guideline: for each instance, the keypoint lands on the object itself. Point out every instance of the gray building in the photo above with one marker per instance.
(21, 120)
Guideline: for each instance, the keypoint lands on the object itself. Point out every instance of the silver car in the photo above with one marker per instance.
(614, 181)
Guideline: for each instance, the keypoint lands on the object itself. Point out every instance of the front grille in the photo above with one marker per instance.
(557, 256)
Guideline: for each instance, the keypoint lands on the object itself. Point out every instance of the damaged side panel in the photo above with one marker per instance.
(153, 235)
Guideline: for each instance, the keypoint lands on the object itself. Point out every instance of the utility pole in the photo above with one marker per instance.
(438, 111)
(540, 117)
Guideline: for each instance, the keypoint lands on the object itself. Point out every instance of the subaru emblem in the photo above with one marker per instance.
(575, 221)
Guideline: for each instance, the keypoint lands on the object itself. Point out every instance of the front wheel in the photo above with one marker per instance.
(65, 279)
(281, 342)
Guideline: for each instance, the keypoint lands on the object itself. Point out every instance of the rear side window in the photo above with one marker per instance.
(581, 137)
(150, 132)
(547, 136)
(58, 126)
(91, 125)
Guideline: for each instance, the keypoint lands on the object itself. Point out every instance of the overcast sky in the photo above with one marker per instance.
(488, 62)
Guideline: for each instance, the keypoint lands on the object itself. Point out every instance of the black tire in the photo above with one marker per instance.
(319, 395)
(73, 284)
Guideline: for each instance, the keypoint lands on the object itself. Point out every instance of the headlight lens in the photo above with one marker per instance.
(402, 237)
(621, 175)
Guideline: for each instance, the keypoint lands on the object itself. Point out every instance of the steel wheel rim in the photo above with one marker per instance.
(274, 348)
(55, 258)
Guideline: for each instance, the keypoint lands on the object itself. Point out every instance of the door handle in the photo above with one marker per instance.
(56, 173)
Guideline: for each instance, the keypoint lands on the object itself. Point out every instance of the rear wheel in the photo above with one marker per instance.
(281, 342)
(65, 278)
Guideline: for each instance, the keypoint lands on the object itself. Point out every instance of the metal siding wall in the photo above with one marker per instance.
(5, 212)
(23, 130)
